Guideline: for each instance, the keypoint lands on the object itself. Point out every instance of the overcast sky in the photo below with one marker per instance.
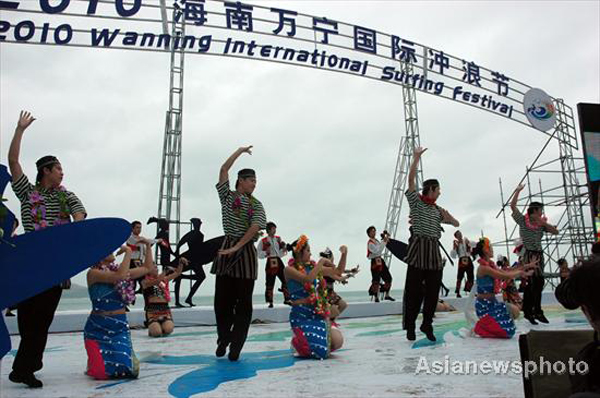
(325, 144)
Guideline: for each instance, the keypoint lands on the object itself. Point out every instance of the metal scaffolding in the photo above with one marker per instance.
(408, 143)
(576, 234)
(169, 198)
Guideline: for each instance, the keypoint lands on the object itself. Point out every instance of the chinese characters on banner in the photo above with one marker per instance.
(284, 23)
(239, 16)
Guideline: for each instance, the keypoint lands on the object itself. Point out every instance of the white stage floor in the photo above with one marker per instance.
(376, 360)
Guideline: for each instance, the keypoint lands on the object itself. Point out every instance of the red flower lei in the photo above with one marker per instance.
(532, 225)
(236, 206)
(491, 264)
(318, 296)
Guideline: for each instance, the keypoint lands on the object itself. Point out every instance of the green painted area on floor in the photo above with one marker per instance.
(208, 333)
(274, 336)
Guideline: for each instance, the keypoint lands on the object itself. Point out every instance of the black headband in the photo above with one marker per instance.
(246, 173)
(46, 161)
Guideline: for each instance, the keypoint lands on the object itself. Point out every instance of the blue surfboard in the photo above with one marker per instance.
(36, 261)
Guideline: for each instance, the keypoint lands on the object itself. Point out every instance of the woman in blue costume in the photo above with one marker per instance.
(106, 335)
(313, 335)
(495, 318)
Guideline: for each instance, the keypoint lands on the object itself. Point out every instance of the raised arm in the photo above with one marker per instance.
(334, 274)
(182, 262)
(515, 198)
(412, 174)
(224, 171)
(549, 228)
(293, 273)
(147, 266)
(447, 218)
(25, 120)
(105, 276)
(501, 274)
(342, 264)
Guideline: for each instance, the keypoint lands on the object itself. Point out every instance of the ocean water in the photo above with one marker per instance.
(81, 302)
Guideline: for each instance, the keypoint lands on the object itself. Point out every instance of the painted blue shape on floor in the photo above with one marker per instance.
(577, 317)
(221, 370)
(51, 349)
(422, 343)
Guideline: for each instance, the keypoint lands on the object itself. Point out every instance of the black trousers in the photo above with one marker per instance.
(378, 273)
(422, 287)
(532, 293)
(462, 269)
(270, 283)
(233, 309)
(34, 317)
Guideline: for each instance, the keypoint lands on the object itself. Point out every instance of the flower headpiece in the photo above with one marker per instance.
(300, 243)
(486, 243)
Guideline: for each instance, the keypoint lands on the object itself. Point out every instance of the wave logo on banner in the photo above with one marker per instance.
(539, 109)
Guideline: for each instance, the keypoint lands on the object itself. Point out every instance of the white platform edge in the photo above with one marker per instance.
(73, 321)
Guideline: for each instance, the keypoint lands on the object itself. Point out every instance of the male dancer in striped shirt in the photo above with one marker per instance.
(35, 314)
(425, 267)
(531, 228)
(236, 265)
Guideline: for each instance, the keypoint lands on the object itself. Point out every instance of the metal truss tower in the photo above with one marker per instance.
(408, 143)
(169, 198)
(580, 236)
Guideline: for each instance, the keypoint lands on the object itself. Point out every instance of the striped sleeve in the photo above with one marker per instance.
(519, 218)
(22, 188)
(259, 217)
(223, 190)
(75, 205)
(413, 199)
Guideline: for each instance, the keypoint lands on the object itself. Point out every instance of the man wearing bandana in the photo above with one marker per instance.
(273, 249)
(532, 228)
(425, 266)
(461, 248)
(236, 265)
(45, 204)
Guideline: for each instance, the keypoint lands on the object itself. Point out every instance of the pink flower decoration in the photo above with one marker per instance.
(35, 197)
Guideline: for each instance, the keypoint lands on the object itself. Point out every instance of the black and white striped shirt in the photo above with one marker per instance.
(426, 218)
(239, 211)
(532, 238)
(23, 189)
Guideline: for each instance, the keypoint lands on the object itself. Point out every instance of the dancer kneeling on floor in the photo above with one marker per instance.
(313, 335)
(156, 297)
(106, 335)
(495, 318)
(337, 304)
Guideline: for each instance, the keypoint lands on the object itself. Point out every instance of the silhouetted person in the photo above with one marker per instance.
(194, 240)
(163, 235)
